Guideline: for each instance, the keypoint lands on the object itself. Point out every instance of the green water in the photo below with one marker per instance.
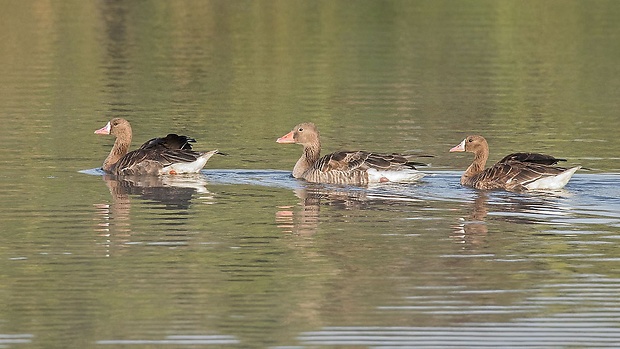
(245, 256)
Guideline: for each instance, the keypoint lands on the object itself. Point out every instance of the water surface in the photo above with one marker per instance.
(243, 255)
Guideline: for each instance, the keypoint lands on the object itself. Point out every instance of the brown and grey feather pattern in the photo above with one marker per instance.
(166, 155)
(151, 161)
(346, 167)
(514, 172)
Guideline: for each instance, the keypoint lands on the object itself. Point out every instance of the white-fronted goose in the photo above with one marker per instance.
(515, 172)
(346, 167)
(172, 154)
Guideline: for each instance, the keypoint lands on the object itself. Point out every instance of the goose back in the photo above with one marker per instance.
(171, 141)
(534, 158)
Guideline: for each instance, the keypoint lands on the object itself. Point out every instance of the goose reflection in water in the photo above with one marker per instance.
(168, 192)
(305, 219)
(548, 208)
(174, 192)
(473, 228)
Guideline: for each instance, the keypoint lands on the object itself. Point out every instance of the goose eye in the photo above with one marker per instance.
(300, 129)
(470, 140)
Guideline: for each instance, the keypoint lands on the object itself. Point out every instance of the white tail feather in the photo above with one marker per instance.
(376, 176)
(553, 182)
(189, 167)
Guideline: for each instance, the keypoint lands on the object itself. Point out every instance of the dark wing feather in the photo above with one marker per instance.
(171, 141)
(392, 161)
(533, 158)
(362, 160)
(532, 172)
(340, 161)
(512, 175)
(379, 162)
(142, 161)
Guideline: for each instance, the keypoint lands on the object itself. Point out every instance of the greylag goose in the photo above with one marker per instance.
(514, 172)
(346, 167)
(172, 154)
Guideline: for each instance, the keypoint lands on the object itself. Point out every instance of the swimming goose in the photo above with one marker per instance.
(158, 156)
(515, 172)
(346, 167)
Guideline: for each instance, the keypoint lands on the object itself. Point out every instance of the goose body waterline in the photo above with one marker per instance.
(346, 167)
(172, 154)
(514, 172)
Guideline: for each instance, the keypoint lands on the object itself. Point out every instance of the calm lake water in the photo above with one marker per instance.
(244, 256)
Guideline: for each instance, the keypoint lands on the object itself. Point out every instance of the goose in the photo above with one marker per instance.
(168, 155)
(514, 172)
(346, 167)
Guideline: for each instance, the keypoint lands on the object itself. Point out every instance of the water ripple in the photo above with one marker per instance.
(541, 333)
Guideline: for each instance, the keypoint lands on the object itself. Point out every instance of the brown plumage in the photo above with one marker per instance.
(172, 154)
(346, 167)
(515, 172)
